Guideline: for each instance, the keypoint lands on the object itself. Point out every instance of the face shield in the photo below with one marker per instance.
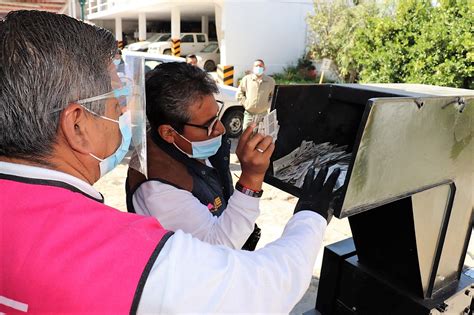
(135, 77)
(128, 90)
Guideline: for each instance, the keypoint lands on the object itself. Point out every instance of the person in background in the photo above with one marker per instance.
(255, 93)
(188, 160)
(62, 249)
(124, 39)
(118, 61)
(192, 60)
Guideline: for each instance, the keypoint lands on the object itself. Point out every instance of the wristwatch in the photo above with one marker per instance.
(248, 191)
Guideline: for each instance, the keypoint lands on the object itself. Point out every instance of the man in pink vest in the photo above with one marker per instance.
(63, 125)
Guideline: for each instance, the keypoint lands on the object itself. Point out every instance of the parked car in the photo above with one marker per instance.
(232, 114)
(144, 45)
(209, 57)
(191, 43)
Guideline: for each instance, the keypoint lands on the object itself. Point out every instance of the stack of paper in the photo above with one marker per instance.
(269, 125)
(292, 167)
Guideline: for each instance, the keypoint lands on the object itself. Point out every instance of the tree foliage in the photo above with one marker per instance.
(333, 27)
(408, 41)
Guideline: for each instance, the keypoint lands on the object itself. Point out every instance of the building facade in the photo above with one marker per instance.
(273, 30)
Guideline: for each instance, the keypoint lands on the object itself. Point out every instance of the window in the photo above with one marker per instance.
(201, 38)
(164, 38)
(187, 39)
(154, 38)
(209, 48)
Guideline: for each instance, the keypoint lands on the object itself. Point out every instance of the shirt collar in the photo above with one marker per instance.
(255, 78)
(35, 172)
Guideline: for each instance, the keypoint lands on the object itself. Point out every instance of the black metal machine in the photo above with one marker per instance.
(408, 193)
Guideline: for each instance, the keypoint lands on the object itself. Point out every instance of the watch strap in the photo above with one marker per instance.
(248, 191)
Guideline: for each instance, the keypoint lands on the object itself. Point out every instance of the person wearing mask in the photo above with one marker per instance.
(255, 93)
(188, 160)
(62, 249)
(192, 60)
(118, 62)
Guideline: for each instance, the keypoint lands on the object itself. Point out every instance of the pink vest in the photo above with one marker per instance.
(62, 252)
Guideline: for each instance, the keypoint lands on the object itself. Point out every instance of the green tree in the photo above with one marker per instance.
(333, 27)
(421, 43)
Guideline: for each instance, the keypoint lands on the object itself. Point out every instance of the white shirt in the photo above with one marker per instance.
(191, 276)
(179, 209)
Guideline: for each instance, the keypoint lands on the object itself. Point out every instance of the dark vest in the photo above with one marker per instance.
(211, 186)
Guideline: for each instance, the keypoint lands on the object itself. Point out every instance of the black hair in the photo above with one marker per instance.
(171, 88)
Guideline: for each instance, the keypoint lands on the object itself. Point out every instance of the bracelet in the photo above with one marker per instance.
(248, 191)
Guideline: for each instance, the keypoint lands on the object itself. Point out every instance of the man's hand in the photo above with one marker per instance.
(254, 152)
(317, 195)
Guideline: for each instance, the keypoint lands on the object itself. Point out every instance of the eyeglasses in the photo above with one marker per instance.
(210, 126)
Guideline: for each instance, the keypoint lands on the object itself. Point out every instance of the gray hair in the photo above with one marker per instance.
(46, 62)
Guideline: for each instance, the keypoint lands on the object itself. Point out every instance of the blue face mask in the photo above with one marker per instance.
(202, 149)
(116, 62)
(258, 71)
(109, 163)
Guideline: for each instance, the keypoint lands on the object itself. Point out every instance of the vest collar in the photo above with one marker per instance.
(35, 174)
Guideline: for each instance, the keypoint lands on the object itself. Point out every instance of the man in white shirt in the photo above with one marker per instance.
(188, 160)
(63, 250)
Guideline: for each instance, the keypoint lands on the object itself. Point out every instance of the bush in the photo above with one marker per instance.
(404, 41)
(292, 75)
(421, 43)
(303, 72)
(333, 28)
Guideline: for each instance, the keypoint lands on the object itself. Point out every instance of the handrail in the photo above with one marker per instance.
(95, 6)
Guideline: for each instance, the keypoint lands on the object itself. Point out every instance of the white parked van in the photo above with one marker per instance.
(191, 43)
(144, 45)
(209, 57)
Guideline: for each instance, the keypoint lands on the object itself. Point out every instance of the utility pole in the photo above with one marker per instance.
(82, 3)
